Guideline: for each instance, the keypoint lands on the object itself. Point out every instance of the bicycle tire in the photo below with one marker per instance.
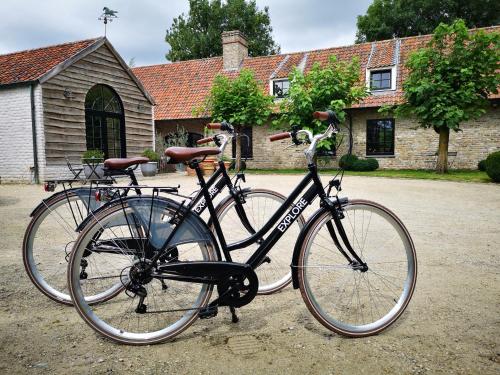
(387, 283)
(39, 259)
(116, 319)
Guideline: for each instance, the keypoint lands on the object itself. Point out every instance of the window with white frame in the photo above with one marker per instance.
(280, 87)
(381, 79)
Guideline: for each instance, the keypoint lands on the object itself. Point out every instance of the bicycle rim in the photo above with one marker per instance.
(171, 306)
(342, 297)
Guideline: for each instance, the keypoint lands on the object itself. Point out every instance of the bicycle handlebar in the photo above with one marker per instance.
(279, 136)
(214, 125)
(224, 126)
(204, 140)
(329, 116)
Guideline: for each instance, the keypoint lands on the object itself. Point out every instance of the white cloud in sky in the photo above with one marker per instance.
(140, 30)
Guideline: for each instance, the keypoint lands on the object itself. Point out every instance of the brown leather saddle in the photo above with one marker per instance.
(182, 154)
(122, 163)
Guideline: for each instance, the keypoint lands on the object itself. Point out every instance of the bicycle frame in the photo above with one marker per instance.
(315, 190)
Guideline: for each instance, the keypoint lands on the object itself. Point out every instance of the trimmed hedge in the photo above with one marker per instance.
(353, 163)
(493, 166)
(482, 165)
(364, 165)
(347, 161)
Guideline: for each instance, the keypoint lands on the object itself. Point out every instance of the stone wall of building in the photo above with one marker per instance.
(414, 147)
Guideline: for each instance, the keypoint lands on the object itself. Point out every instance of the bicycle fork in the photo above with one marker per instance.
(338, 215)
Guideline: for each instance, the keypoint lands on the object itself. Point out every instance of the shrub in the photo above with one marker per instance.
(481, 165)
(353, 163)
(91, 155)
(373, 164)
(347, 161)
(151, 155)
(364, 165)
(493, 166)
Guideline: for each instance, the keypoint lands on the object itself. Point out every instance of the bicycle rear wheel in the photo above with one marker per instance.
(49, 238)
(117, 256)
(260, 204)
(343, 297)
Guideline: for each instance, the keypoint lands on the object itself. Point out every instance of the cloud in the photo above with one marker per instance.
(139, 31)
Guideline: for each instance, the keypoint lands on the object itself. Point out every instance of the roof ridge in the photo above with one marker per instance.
(318, 49)
(54, 45)
(178, 62)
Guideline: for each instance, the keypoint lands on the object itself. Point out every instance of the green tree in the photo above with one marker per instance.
(239, 100)
(450, 80)
(335, 86)
(198, 34)
(386, 19)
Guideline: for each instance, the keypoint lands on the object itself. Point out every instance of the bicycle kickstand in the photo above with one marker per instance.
(234, 317)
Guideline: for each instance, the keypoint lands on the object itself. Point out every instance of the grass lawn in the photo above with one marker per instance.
(452, 175)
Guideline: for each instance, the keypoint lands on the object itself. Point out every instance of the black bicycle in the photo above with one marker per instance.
(354, 260)
(57, 220)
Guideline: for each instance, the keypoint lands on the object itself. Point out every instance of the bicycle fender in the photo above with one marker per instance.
(191, 221)
(298, 245)
(42, 204)
(85, 221)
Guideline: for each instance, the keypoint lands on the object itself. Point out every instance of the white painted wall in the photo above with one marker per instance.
(16, 141)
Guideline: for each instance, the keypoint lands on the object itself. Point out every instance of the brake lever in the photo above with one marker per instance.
(217, 140)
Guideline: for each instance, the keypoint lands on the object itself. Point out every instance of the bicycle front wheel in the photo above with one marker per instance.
(341, 295)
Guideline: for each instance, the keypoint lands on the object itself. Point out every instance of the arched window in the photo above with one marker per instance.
(105, 122)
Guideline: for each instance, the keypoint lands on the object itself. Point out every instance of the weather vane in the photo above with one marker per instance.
(108, 15)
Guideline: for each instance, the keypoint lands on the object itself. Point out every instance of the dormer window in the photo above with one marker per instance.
(380, 80)
(280, 87)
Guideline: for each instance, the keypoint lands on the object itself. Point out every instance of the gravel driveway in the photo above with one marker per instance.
(452, 324)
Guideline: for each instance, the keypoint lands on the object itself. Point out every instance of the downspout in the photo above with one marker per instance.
(33, 130)
(350, 132)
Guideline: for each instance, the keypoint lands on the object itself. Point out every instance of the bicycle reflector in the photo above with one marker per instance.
(49, 186)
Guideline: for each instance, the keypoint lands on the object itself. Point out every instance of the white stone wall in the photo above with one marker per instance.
(16, 141)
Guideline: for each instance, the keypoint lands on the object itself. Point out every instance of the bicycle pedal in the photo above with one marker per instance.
(208, 312)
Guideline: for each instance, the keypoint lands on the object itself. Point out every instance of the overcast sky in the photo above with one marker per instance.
(140, 30)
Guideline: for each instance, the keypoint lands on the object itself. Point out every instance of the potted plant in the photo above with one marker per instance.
(93, 166)
(151, 168)
(208, 165)
(177, 138)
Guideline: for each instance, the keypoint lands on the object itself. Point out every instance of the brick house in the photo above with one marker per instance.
(396, 143)
(56, 102)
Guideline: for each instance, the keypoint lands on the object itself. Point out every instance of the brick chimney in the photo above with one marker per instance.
(234, 49)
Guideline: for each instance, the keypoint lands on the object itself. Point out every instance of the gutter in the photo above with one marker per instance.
(33, 130)
(17, 84)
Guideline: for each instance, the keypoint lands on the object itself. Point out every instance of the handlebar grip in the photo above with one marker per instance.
(204, 140)
(214, 125)
(279, 136)
(329, 116)
(320, 115)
